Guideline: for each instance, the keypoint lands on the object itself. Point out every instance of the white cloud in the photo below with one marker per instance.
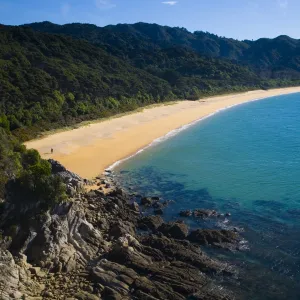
(170, 2)
(65, 9)
(283, 3)
(104, 4)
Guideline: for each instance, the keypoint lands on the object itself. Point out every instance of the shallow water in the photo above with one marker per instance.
(246, 161)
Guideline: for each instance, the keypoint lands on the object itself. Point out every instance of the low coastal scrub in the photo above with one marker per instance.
(25, 178)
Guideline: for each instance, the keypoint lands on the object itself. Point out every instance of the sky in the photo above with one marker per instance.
(239, 19)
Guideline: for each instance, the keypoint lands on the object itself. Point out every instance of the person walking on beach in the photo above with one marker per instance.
(52, 150)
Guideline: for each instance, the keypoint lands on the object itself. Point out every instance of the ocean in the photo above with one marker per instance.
(245, 161)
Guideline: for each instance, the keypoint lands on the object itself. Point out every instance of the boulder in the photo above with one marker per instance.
(186, 213)
(150, 222)
(205, 213)
(135, 207)
(146, 201)
(86, 296)
(158, 211)
(121, 228)
(174, 230)
(158, 205)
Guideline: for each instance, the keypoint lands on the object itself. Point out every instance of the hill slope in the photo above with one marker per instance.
(271, 58)
(50, 80)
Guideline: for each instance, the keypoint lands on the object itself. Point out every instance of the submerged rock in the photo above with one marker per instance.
(186, 213)
(158, 211)
(146, 201)
(205, 213)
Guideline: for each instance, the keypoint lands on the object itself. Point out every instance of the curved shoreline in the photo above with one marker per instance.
(91, 149)
(178, 130)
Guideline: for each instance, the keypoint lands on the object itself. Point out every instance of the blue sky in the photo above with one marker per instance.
(240, 19)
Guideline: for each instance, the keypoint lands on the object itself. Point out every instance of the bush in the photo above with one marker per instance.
(29, 176)
(36, 185)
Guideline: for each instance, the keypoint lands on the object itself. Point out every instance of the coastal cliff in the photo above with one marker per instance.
(103, 246)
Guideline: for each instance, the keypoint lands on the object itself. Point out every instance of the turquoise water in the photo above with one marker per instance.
(244, 160)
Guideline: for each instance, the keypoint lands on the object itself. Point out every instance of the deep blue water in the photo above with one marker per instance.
(244, 160)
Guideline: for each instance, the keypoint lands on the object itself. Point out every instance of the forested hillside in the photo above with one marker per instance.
(277, 58)
(54, 75)
(50, 80)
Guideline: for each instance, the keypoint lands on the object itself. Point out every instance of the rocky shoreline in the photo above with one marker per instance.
(100, 245)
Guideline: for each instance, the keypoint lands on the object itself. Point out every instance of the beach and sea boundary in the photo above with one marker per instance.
(90, 149)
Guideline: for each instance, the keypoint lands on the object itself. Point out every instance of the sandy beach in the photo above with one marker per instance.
(90, 149)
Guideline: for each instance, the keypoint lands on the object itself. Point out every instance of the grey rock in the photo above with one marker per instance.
(150, 222)
(219, 238)
(146, 201)
(134, 206)
(158, 211)
(174, 230)
(186, 213)
(15, 280)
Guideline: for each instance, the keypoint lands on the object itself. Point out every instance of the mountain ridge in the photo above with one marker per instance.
(276, 53)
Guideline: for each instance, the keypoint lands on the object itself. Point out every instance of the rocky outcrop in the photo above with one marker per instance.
(91, 248)
(150, 222)
(15, 278)
(65, 241)
(175, 230)
(73, 182)
(226, 239)
(200, 213)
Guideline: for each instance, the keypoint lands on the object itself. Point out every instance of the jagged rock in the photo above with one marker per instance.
(37, 272)
(86, 296)
(186, 213)
(150, 222)
(117, 192)
(174, 230)
(94, 241)
(219, 238)
(146, 201)
(158, 205)
(66, 237)
(71, 179)
(158, 211)
(15, 281)
(205, 213)
(134, 206)
(183, 251)
(121, 228)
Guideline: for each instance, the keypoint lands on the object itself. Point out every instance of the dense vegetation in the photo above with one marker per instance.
(277, 58)
(29, 175)
(77, 72)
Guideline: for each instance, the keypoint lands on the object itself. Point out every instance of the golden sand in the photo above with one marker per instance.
(88, 150)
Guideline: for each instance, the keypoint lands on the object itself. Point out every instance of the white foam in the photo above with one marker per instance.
(181, 128)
